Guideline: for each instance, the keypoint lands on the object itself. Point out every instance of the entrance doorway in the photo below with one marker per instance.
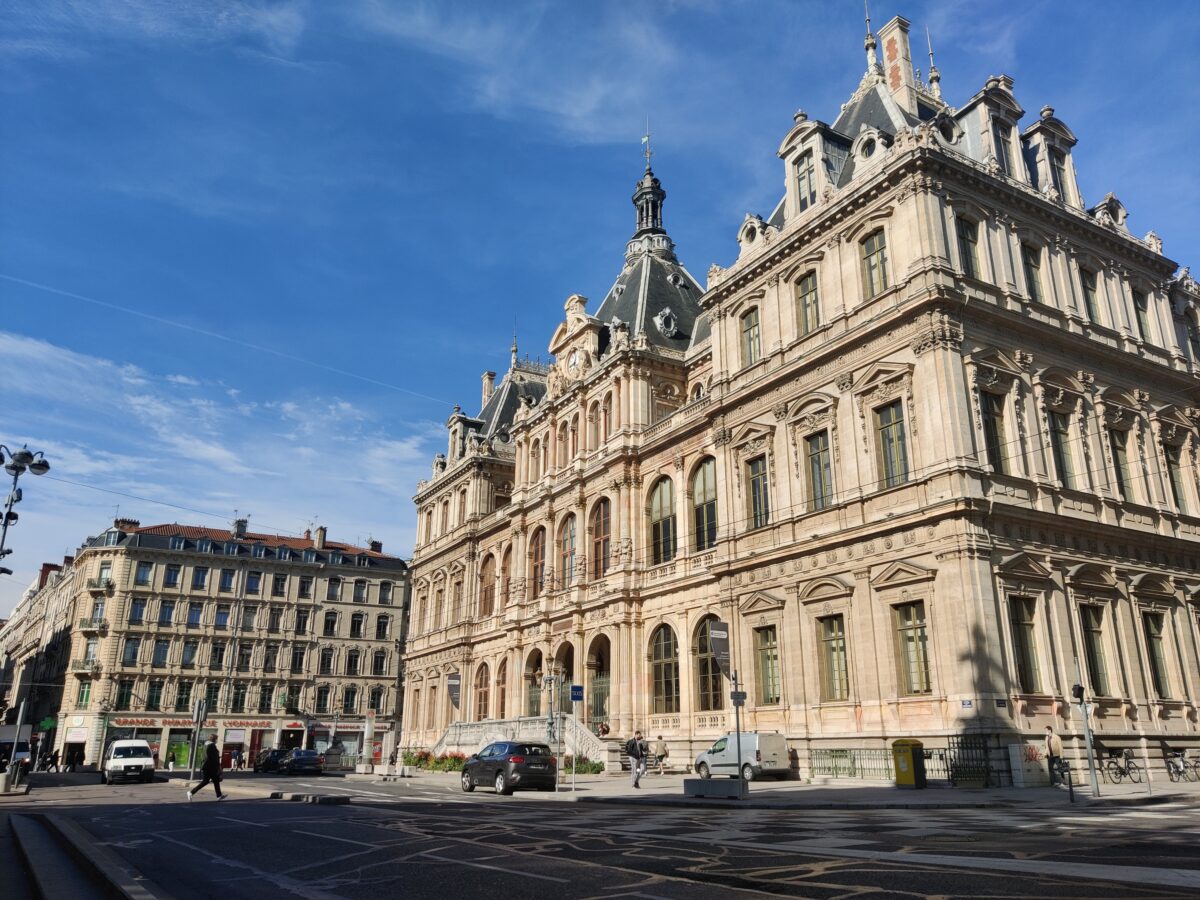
(599, 661)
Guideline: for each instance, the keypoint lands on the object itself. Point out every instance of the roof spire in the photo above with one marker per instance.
(646, 151)
(514, 350)
(869, 44)
(935, 77)
(648, 196)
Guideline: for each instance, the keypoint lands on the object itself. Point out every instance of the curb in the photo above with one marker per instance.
(322, 799)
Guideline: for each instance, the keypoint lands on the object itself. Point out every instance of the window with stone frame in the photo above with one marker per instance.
(874, 263)
(1141, 313)
(710, 691)
(1091, 306)
(766, 664)
(350, 700)
(806, 181)
(808, 307)
(1153, 624)
(662, 521)
(704, 505)
(537, 563)
(601, 528)
(995, 432)
(376, 700)
(566, 552)
(664, 671)
(835, 681)
(751, 337)
(818, 470)
(912, 648)
(379, 662)
(482, 692)
(325, 664)
(967, 231)
(1022, 619)
(759, 492)
(1118, 442)
(1002, 145)
(891, 444)
(1031, 262)
(1091, 617)
(322, 699)
(1061, 442)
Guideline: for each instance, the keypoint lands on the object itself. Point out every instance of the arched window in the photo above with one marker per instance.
(537, 562)
(502, 690)
(445, 516)
(566, 552)
(710, 697)
(481, 693)
(574, 436)
(606, 418)
(377, 699)
(560, 460)
(704, 505)
(751, 338)
(601, 537)
(505, 576)
(439, 600)
(662, 522)
(487, 588)
(350, 700)
(593, 427)
(379, 663)
(352, 662)
(664, 670)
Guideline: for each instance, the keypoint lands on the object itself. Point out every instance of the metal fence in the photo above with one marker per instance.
(853, 763)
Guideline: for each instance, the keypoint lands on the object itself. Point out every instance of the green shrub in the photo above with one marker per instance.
(581, 766)
(417, 758)
(450, 762)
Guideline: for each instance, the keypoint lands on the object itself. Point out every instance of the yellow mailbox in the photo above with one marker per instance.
(908, 755)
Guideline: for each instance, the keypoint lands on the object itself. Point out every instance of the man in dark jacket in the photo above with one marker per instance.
(637, 750)
(211, 769)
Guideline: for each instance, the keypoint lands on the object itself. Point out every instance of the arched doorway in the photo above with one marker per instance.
(564, 668)
(533, 683)
(599, 673)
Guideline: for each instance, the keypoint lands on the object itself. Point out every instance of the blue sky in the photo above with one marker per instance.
(251, 253)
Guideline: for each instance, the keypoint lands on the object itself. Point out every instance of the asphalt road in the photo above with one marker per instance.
(424, 838)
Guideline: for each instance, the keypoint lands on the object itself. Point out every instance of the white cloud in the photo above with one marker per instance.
(183, 379)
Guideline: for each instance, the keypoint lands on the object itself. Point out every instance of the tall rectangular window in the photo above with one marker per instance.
(161, 649)
(1021, 617)
(808, 310)
(237, 703)
(1058, 172)
(222, 618)
(1118, 441)
(298, 654)
(1002, 141)
(137, 611)
(820, 479)
(133, 646)
(212, 696)
(154, 695)
(266, 693)
(1193, 333)
(278, 585)
(85, 695)
(183, 696)
(1156, 653)
(302, 621)
(124, 694)
(751, 338)
(249, 617)
(1093, 648)
(874, 263)
(835, 683)
(166, 612)
(171, 576)
(253, 582)
(1031, 260)
(1171, 452)
(760, 501)
(1141, 313)
(195, 610)
(1060, 448)
(968, 246)
(766, 659)
(806, 181)
(275, 619)
(305, 590)
(912, 648)
(199, 578)
(216, 655)
(188, 660)
(891, 444)
(1087, 280)
(142, 576)
(226, 583)
(991, 406)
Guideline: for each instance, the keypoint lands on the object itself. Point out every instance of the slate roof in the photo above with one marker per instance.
(649, 286)
(497, 414)
(221, 535)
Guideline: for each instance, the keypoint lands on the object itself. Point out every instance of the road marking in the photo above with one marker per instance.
(280, 881)
(241, 821)
(465, 862)
(326, 837)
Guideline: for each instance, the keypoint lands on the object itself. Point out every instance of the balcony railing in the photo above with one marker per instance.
(99, 584)
(85, 665)
(93, 624)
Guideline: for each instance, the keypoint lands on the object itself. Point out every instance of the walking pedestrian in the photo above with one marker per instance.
(1054, 751)
(637, 750)
(661, 753)
(211, 769)
(54, 761)
(170, 760)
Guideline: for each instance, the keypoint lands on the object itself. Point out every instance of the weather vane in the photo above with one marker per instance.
(646, 151)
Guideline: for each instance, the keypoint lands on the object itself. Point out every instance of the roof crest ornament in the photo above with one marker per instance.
(873, 66)
(935, 77)
(646, 151)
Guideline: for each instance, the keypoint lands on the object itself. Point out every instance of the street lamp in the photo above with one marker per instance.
(16, 463)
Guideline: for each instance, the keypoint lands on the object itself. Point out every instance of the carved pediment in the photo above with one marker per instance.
(1023, 566)
(1088, 576)
(882, 373)
(754, 434)
(824, 589)
(902, 573)
(761, 602)
(1151, 583)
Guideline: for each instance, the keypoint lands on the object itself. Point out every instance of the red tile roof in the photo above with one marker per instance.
(195, 532)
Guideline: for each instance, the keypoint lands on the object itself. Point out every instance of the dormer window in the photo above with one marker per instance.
(283, 553)
(231, 548)
(204, 545)
(335, 559)
(362, 561)
(259, 551)
(112, 538)
(1002, 141)
(177, 542)
(310, 556)
(806, 181)
(1058, 172)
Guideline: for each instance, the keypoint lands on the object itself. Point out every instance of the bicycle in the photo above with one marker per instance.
(1178, 767)
(1116, 771)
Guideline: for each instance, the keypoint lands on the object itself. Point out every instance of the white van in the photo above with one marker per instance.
(762, 754)
(128, 760)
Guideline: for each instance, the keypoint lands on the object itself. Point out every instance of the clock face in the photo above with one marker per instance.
(573, 360)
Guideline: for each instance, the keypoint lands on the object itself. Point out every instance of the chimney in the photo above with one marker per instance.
(44, 575)
(489, 385)
(376, 546)
(126, 524)
(308, 534)
(239, 527)
(319, 543)
(897, 63)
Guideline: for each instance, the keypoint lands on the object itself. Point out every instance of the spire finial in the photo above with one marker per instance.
(646, 151)
(935, 77)
(514, 349)
(869, 44)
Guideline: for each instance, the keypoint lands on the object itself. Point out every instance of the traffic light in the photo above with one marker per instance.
(1077, 693)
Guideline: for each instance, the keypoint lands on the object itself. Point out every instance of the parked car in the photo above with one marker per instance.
(762, 754)
(268, 760)
(511, 766)
(127, 761)
(308, 762)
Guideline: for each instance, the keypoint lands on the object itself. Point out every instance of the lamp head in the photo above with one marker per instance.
(39, 466)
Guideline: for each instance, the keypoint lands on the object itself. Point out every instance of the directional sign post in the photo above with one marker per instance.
(738, 697)
(576, 697)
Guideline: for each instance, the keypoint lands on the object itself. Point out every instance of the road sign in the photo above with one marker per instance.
(738, 698)
(576, 693)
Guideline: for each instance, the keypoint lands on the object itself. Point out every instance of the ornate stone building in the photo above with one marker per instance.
(931, 438)
(292, 641)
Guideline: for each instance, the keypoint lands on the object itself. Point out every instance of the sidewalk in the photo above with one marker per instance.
(667, 790)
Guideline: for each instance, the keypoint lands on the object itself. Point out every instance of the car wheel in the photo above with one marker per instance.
(103, 778)
(502, 785)
(468, 784)
(147, 779)
(747, 772)
(702, 770)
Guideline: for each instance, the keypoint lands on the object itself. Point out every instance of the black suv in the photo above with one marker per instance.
(511, 766)
(268, 760)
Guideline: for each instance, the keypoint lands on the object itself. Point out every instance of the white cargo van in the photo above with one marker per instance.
(762, 754)
(127, 760)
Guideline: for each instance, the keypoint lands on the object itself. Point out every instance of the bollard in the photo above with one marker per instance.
(3, 781)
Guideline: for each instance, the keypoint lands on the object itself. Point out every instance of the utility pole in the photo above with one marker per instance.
(1077, 693)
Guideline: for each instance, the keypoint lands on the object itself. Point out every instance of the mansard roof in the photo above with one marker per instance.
(524, 381)
(657, 297)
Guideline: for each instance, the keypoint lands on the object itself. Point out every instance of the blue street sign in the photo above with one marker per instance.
(577, 693)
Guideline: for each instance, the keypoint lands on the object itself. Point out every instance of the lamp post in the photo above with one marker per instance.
(17, 463)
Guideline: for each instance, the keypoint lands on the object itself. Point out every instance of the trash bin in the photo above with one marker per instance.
(909, 758)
